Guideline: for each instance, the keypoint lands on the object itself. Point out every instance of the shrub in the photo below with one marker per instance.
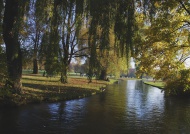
(180, 85)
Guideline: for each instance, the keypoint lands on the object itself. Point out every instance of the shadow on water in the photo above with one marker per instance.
(129, 107)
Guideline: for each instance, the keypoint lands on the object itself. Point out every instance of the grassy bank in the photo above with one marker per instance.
(158, 84)
(42, 89)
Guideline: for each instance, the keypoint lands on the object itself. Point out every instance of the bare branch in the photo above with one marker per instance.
(183, 5)
(185, 59)
(81, 50)
(81, 55)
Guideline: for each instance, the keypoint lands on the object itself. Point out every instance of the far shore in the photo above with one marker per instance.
(158, 84)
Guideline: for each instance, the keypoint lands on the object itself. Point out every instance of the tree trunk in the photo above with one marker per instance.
(35, 66)
(90, 74)
(13, 51)
(103, 75)
(64, 74)
(35, 61)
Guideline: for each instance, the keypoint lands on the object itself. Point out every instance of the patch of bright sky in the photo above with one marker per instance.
(132, 63)
(187, 63)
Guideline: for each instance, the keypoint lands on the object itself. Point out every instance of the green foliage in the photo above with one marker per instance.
(164, 46)
(52, 67)
(111, 30)
(27, 58)
(43, 14)
(5, 92)
(3, 66)
(179, 85)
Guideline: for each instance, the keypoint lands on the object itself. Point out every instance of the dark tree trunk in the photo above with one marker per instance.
(13, 51)
(90, 74)
(64, 74)
(35, 61)
(35, 66)
(66, 42)
(36, 47)
(103, 75)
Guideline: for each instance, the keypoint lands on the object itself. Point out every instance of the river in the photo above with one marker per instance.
(129, 107)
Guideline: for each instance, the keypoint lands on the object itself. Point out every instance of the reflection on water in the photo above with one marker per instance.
(144, 103)
(129, 107)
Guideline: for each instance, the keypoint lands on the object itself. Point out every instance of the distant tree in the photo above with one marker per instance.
(72, 23)
(43, 49)
(27, 55)
(36, 25)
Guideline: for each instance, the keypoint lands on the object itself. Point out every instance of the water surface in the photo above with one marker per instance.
(126, 108)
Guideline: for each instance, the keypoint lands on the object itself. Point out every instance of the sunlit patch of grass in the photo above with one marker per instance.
(158, 84)
(39, 89)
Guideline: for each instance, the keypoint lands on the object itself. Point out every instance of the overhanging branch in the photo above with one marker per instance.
(183, 5)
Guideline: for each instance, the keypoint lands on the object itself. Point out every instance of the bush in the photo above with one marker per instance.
(180, 85)
(5, 92)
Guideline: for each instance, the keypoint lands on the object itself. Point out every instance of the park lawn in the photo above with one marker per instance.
(42, 89)
(159, 84)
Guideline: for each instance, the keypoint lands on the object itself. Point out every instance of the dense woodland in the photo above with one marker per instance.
(103, 33)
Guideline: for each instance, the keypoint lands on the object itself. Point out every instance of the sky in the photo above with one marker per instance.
(187, 63)
(132, 63)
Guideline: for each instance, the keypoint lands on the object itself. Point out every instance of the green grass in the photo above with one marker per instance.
(112, 81)
(158, 84)
(40, 72)
(42, 89)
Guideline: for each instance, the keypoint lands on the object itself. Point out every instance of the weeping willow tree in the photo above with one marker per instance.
(109, 62)
(64, 29)
(108, 15)
(105, 15)
(51, 64)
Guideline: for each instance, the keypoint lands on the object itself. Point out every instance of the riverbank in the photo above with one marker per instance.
(37, 89)
(158, 84)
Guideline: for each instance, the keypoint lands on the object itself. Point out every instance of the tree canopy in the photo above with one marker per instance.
(155, 33)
